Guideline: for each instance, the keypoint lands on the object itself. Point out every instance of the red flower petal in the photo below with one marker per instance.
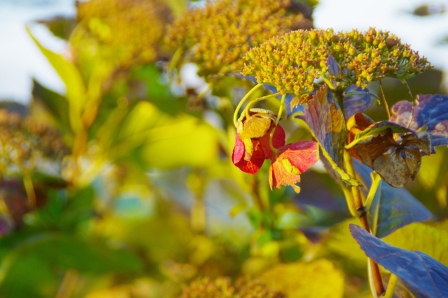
(293, 160)
(256, 160)
(278, 140)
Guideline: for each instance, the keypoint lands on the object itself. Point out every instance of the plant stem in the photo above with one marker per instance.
(240, 104)
(280, 110)
(29, 189)
(376, 180)
(383, 98)
(357, 201)
(391, 286)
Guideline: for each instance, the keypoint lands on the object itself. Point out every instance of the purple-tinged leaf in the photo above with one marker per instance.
(397, 160)
(333, 66)
(394, 207)
(326, 120)
(356, 100)
(431, 111)
(422, 274)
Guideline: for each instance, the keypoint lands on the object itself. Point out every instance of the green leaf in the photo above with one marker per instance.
(50, 253)
(70, 75)
(54, 103)
(164, 141)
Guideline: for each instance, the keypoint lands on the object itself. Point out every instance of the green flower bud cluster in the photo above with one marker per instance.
(216, 37)
(294, 61)
(27, 145)
(127, 32)
(223, 287)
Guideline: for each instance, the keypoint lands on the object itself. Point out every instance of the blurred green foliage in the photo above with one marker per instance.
(124, 185)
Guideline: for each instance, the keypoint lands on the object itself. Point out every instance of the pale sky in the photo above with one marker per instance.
(20, 59)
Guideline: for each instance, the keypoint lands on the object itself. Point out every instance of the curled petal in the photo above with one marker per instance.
(278, 140)
(292, 160)
(247, 163)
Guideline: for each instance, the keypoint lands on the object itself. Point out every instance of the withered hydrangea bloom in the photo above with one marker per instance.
(292, 62)
(26, 146)
(216, 37)
(128, 32)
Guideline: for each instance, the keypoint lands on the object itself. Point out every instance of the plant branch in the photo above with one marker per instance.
(360, 207)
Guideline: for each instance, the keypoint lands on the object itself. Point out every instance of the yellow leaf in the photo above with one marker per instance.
(315, 279)
(429, 239)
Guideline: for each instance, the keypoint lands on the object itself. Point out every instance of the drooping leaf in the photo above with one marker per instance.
(325, 119)
(392, 207)
(427, 238)
(422, 274)
(356, 100)
(70, 75)
(306, 279)
(430, 112)
(397, 160)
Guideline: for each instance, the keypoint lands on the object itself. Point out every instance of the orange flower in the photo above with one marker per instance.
(292, 160)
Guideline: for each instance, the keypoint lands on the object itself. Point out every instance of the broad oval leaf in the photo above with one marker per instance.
(422, 274)
(392, 207)
(430, 112)
(326, 120)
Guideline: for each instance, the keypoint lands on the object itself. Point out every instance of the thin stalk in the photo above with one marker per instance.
(280, 110)
(29, 189)
(174, 61)
(391, 286)
(240, 104)
(376, 180)
(357, 201)
(68, 284)
(412, 99)
(252, 102)
(408, 88)
(383, 98)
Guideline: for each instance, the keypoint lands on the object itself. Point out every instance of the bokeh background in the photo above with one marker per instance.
(134, 194)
